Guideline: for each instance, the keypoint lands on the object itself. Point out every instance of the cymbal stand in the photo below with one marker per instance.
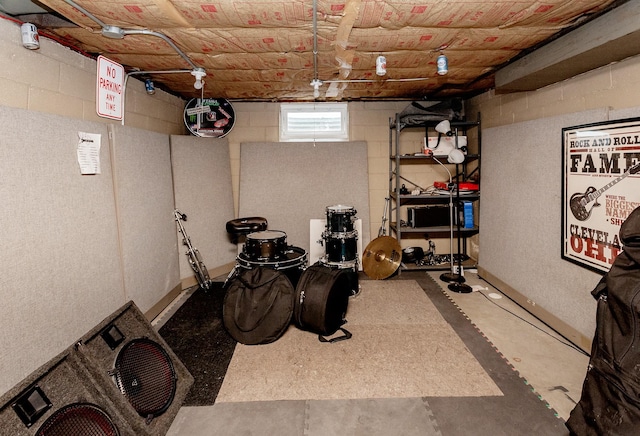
(195, 260)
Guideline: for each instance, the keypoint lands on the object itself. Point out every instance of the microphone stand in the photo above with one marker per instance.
(451, 276)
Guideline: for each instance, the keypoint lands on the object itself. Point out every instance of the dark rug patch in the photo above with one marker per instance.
(197, 336)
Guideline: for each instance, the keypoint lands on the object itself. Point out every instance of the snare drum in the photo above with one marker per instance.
(292, 262)
(340, 218)
(265, 245)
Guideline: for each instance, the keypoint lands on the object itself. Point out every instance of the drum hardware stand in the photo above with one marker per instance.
(383, 227)
(429, 256)
(231, 275)
(195, 260)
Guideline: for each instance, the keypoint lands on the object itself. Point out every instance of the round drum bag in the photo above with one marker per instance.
(322, 297)
(258, 306)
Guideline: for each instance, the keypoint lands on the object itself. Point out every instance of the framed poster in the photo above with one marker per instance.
(600, 188)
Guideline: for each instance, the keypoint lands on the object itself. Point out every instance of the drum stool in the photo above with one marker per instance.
(240, 227)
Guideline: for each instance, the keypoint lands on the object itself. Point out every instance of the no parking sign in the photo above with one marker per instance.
(109, 89)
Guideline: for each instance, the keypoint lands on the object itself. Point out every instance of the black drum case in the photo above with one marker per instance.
(258, 306)
(321, 300)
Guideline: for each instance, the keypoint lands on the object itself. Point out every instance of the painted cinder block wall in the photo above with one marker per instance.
(57, 80)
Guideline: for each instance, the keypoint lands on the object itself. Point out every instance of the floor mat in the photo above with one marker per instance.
(504, 406)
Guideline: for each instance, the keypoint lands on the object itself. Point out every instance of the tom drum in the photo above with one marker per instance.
(340, 218)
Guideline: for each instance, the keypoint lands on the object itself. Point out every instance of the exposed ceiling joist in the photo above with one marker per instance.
(264, 50)
(609, 38)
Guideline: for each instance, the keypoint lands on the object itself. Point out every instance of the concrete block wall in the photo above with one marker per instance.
(57, 80)
(614, 86)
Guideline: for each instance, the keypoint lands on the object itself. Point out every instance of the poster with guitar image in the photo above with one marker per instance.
(600, 188)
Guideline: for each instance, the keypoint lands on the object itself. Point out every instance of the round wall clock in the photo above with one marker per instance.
(209, 117)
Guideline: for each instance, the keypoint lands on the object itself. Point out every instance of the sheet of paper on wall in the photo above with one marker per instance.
(89, 152)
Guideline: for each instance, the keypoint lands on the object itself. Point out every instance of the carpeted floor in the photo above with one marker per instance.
(412, 350)
(401, 347)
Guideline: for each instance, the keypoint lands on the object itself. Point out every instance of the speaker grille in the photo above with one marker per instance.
(145, 375)
(78, 419)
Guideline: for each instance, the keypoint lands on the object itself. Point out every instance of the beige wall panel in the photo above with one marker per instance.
(144, 195)
(60, 272)
(291, 183)
(520, 241)
(203, 191)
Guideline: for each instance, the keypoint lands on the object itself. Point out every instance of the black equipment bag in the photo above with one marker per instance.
(610, 400)
(420, 111)
(258, 306)
(322, 297)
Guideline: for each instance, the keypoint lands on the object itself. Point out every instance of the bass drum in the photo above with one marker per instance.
(209, 117)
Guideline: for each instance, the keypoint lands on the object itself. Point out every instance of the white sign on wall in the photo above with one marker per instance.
(109, 89)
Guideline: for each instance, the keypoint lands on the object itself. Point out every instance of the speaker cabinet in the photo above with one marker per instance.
(61, 399)
(137, 369)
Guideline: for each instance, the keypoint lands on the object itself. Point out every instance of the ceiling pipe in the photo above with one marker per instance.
(316, 83)
(315, 39)
(115, 32)
(163, 37)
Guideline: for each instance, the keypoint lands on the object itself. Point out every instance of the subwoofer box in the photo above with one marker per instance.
(428, 216)
(137, 369)
(60, 398)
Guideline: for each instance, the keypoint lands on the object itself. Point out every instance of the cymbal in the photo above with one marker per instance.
(382, 257)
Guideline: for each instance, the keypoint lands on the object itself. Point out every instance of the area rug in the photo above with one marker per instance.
(196, 335)
(401, 347)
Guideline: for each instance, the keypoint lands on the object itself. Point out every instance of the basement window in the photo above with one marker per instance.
(310, 122)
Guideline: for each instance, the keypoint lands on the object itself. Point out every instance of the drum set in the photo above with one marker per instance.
(269, 248)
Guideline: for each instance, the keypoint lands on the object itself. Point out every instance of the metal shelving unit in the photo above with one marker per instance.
(460, 173)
